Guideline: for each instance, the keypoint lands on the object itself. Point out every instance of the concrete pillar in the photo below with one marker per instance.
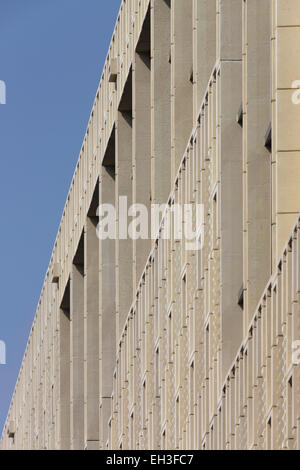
(205, 47)
(77, 350)
(91, 335)
(64, 370)
(161, 100)
(182, 79)
(141, 161)
(124, 244)
(231, 190)
(257, 158)
(107, 308)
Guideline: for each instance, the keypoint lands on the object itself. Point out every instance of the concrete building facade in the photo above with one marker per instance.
(146, 344)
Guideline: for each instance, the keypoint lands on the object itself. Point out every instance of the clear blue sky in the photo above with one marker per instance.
(51, 57)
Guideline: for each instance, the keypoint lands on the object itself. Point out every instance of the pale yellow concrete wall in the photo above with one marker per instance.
(286, 70)
(157, 358)
(256, 158)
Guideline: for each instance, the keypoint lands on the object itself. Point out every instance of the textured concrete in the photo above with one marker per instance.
(153, 344)
(91, 334)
